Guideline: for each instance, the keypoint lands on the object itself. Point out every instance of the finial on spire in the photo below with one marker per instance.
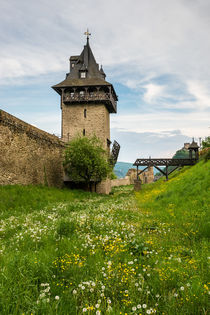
(87, 34)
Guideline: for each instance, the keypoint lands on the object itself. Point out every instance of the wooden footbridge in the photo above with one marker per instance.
(168, 162)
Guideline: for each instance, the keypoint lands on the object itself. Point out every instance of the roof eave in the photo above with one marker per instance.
(57, 89)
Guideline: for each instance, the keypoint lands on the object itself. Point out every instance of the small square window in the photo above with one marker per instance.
(83, 74)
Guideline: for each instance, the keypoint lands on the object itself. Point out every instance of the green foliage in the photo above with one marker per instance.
(113, 175)
(206, 143)
(86, 160)
(205, 152)
(181, 154)
(207, 155)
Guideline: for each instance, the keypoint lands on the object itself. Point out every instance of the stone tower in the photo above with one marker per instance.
(87, 99)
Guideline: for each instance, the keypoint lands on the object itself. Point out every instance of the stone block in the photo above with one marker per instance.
(137, 185)
(104, 187)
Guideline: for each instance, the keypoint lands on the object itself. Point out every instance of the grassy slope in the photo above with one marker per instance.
(69, 252)
(185, 197)
(180, 209)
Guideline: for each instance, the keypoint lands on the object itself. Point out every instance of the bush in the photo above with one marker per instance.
(86, 160)
(206, 143)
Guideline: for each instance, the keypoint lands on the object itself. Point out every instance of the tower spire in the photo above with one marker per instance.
(87, 33)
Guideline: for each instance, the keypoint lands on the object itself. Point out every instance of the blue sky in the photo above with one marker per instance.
(155, 53)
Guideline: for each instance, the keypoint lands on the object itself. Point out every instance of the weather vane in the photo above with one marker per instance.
(87, 33)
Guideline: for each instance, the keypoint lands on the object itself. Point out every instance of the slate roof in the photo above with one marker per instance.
(84, 62)
(81, 82)
(193, 145)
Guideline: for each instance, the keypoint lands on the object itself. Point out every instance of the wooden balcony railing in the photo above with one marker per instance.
(89, 97)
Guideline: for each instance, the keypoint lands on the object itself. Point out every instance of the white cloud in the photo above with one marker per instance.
(153, 92)
(140, 43)
(200, 92)
(190, 124)
(10, 67)
(145, 144)
(156, 36)
(131, 83)
(49, 122)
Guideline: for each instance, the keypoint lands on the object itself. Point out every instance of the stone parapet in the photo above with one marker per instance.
(104, 187)
(120, 181)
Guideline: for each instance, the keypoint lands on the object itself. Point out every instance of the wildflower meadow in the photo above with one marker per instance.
(73, 252)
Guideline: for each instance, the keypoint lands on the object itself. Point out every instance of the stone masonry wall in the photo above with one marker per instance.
(146, 177)
(96, 121)
(121, 181)
(104, 187)
(28, 155)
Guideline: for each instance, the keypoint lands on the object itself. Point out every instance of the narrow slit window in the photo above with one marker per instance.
(85, 113)
(83, 132)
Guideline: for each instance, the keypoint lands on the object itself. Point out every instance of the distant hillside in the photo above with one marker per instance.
(121, 169)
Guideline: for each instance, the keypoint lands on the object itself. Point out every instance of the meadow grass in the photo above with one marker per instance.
(73, 252)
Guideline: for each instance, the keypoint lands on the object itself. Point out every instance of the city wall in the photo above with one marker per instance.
(28, 155)
(121, 181)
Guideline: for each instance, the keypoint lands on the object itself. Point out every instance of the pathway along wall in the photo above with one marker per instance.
(28, 155)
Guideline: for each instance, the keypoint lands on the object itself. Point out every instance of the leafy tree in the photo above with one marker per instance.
(206, 143)
(86, 160)
(205, 152)
(180, 154)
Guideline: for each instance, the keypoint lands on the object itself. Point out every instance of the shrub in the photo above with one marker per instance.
(86, 160)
